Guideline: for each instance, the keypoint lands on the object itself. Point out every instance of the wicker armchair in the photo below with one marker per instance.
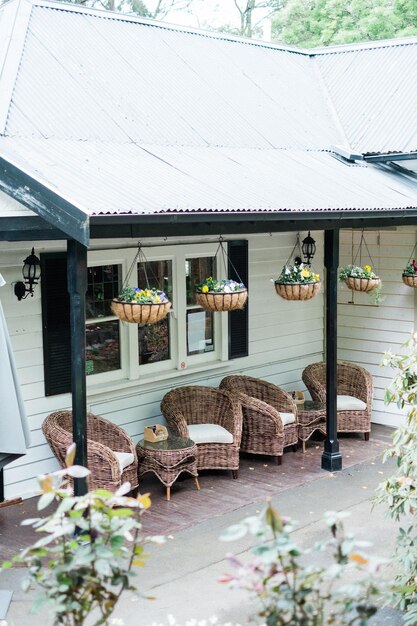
(187, 409)
(105, 441)
(269, 415)
(354, 383)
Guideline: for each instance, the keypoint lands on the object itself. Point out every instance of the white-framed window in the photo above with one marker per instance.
(188, 337)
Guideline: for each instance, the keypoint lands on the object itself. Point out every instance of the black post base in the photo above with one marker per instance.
(331, 461)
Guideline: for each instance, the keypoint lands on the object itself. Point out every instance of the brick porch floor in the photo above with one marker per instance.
(259, 477)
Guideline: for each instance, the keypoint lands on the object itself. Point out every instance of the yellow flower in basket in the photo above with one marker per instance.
(204, 289)
(305, 273)
(367, 268)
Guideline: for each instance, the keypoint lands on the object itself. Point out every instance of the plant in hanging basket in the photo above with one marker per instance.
(410, 274)
(361, 279)
(141, 306)
(220, 295)
(297, 282)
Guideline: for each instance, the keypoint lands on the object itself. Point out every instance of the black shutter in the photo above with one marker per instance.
(238, 320)
(55, 323)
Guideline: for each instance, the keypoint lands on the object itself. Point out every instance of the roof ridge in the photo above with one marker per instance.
(317, 51)
(138, 19)
(364, 45)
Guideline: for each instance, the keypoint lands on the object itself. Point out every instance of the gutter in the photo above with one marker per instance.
(389, 156)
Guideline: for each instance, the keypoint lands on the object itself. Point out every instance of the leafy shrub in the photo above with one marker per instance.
(399, 492)
(83, 561)
(291, 592)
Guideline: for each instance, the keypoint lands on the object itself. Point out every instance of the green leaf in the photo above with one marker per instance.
(117, 542)
(237, 531)
(45, 500)
(121, 513)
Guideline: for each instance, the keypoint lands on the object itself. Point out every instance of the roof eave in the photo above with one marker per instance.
(71, 220)
(222, 223)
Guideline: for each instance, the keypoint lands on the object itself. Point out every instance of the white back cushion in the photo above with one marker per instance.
(124, 459)
(287, 418)
(209, 433)
(349, 403)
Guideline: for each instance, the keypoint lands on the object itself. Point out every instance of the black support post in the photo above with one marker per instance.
(331, 459)
(77, 287)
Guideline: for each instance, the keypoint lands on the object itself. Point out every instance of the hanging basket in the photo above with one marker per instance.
(297, 291)
(140, 313)
(410, 281)
(221, 301)
(363, 284)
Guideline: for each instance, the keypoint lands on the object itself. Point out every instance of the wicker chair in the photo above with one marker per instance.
(354, 383)
(269, 415)
(105, 441)
(187, 409)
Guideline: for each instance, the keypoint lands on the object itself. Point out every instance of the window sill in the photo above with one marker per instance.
(154, 379)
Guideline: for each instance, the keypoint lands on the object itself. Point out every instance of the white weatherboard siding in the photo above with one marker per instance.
(284, 338)
(366, 331)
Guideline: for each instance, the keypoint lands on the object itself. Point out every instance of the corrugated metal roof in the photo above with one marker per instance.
(127, 81)
(122, 115)
(124, 178)
(374, 92)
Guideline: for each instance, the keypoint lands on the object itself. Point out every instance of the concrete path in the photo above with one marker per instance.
(183, 573)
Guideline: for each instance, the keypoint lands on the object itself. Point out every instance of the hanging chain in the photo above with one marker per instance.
(297, 246)
(140, 258)
(412, 253)
(362, 242)
(224, 255)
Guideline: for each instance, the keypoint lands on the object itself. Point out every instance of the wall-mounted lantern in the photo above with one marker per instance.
(31, 273)
(308, 248)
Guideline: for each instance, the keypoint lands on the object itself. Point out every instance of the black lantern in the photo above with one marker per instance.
(31, 273)
(308, 248)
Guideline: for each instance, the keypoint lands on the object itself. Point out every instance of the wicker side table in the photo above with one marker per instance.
(311, 417)
(167, 460)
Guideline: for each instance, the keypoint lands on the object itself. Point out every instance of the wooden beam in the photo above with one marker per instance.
(138, 226)
(61, 214)
(28, 229)
(77, 287)
(331, 458)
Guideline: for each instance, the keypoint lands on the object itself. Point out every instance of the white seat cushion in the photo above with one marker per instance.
(209, 433)
(349, 403)
(124, 459)
(287, 418)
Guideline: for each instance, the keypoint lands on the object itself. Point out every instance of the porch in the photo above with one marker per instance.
(259, 478)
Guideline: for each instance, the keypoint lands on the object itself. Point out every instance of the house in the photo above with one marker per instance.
(119, 133)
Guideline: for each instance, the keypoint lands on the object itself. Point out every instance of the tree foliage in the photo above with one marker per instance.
(399, 491)
(310, 23)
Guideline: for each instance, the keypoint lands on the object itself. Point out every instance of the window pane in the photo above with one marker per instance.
(103, 285)
(156, 274)
(199, 331)
(102, 347)
(154, 339)
(154, 342)
(197, 270)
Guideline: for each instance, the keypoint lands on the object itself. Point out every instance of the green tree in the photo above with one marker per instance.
(310, 23)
